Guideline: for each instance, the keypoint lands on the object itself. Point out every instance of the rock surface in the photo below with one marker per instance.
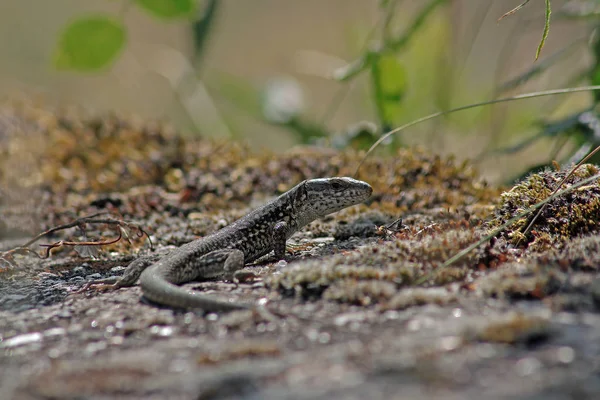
(363, 307)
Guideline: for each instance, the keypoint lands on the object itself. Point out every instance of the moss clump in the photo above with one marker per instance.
(311, 279)
(76, 153)
(580, 254)
(410, 297)
(63, 151)
(573, 214)
(516, 328)
(362, 293)
(82, 165)
(526, 279)
(370, 274)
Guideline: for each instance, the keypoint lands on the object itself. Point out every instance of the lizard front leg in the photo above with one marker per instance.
(279, 239)
(129, 278)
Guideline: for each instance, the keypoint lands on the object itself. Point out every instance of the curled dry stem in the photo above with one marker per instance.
(122, 227)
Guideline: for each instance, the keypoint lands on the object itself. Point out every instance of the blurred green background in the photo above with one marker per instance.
(263, 71)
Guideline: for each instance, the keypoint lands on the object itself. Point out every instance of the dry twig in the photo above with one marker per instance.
(122, 226)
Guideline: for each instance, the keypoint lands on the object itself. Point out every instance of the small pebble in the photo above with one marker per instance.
(595, 291)
(76, 279)
(9, 298)
(47, 276)
(48, 293)
(281, 264)
(20, 340)
(64, 314)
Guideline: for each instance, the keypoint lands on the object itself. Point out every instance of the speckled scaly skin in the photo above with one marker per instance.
(224, 252)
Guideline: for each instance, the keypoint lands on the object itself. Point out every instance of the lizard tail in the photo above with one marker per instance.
(157, 288)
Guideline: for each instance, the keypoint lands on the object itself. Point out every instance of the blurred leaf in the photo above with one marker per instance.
(581, 129)
(89, 43)
(359, 136)
(251, 101)
(417, 23)
(389, 84)
(202, 27)
(354, 68)
(594, 75)
(167, 9)
(306, 131)
(394, 78)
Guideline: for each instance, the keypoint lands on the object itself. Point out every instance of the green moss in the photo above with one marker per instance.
(574, 214)
(369, 274)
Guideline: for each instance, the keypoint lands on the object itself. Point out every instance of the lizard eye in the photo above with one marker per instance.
(336, 185)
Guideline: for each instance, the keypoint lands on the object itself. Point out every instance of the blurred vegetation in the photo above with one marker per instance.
(92, 42)
(406, 65)
(581, 128)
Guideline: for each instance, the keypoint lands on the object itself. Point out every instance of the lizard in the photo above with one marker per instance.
(226, 251)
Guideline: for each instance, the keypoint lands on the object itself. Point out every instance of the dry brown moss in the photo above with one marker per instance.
(58, 165)
(113, 153)
(62, 151)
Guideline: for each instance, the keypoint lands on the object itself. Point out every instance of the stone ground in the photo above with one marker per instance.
(362, 308)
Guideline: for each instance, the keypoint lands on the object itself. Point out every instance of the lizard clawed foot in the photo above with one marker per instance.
(99, 285)
(241, 276)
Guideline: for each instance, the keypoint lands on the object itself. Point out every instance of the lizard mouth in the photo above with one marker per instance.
(365, 191)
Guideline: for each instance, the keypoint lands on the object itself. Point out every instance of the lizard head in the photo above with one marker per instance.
(328, 195)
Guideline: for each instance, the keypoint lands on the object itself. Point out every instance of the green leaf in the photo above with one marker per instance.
(594, 72)
(202, 28)
(167, 9)
(389, 83)
(89, 43)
